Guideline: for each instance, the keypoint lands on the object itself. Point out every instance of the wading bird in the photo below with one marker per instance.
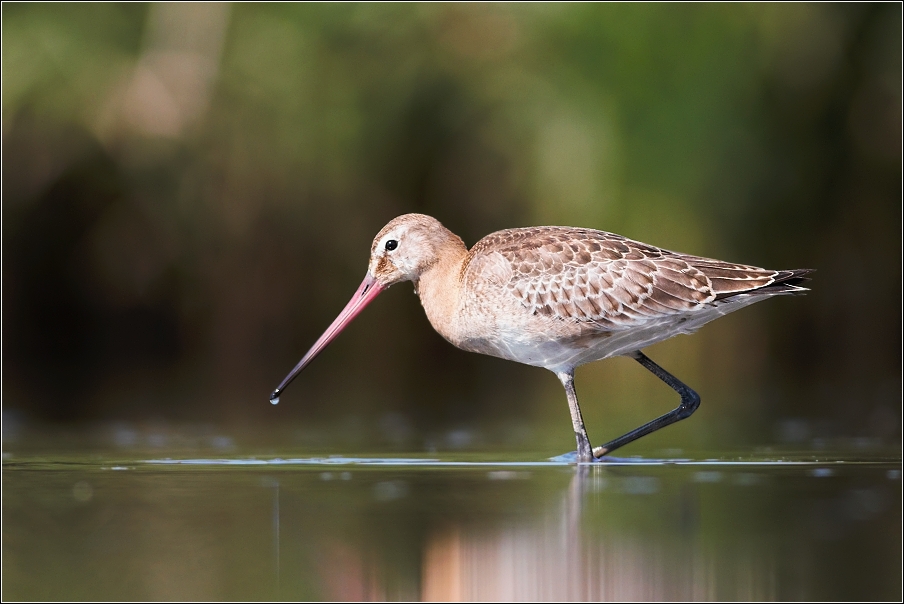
(558, 297)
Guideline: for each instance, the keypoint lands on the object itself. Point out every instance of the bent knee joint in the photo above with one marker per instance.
(690, 400)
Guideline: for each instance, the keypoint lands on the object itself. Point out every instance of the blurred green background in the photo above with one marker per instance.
(190, 192)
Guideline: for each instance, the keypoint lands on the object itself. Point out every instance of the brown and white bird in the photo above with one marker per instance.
(558, 297)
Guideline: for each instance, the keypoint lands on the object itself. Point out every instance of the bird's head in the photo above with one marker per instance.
(406, 247)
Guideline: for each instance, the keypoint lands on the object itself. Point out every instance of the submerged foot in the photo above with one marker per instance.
(573, 457)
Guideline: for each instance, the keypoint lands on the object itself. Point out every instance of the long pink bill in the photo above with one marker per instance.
(367, 291)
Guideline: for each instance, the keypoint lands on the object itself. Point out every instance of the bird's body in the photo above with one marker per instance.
(557, 297)
(560, 297)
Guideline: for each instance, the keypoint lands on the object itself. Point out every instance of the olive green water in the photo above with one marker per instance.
(439, 528)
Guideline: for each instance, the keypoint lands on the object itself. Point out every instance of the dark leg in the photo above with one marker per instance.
(585, 451)
(690, 400)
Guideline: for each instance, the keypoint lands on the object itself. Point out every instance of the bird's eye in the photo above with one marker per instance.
(391, 245)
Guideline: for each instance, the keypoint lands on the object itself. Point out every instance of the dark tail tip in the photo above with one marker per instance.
(795, 276)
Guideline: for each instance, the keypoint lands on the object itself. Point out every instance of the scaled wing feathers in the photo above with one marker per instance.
(590, 276)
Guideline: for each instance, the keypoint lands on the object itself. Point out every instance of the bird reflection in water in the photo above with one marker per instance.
(563, 554)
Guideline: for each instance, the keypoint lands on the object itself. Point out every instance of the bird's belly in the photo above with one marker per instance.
(560, 346)
(550, 354)
(538, 341)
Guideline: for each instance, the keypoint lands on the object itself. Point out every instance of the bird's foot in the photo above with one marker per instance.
(585, 452)
(574, 457)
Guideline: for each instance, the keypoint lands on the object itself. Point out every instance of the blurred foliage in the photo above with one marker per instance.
(190, 192)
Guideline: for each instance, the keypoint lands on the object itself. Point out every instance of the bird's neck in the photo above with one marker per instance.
(439, 287)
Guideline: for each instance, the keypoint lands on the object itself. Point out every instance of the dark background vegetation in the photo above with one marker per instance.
(190, 192)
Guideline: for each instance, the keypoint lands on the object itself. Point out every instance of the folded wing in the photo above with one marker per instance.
(590, 276)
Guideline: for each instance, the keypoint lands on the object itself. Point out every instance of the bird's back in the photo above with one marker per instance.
(582, 294)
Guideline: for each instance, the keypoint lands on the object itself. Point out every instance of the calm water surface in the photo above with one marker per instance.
(449, 528)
